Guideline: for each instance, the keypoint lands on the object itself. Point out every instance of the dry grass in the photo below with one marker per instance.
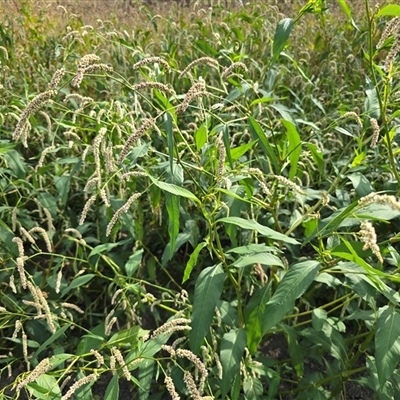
(128, 12)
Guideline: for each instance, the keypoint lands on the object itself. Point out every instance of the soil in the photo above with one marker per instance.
(276, 348)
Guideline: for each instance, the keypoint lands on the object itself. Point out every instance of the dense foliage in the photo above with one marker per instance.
(202, 203)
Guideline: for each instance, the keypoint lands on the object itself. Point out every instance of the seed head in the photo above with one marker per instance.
(368, 236)
(375, 131)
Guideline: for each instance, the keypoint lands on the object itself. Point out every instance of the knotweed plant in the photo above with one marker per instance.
(205, 207)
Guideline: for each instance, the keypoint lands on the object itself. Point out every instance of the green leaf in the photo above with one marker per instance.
(327, 226)
(174, 189)
(253, 388)
(146, 349)
(382, 212)
(145, 377)
(62, 184)
(201, 136)
(133, 263)
(344, 131)
(140, 150)
(15, 163)
(58, 359)
(253, 248)
(258, 133)
(70, 160)
(232, 347)
(253, 315)
(6, 146)
(317, 156)
(107, 247)
(358, 159)
(314, 393)
(207, 292)
(226, 138)
(284, 112)
(149, 348)
(236, 387)
(164, 104)
(238, 33)
(229, 315)
(49, 202)
(345, 8)
(318, 318)
(361, 184)
(294, 283)
(172, 204)
(235, 206)
(329, 339)
(264, 100)
(126, 336)
(230, 193)
(238, 152)
(170, 138)
(233, 95)
(294, 149)
(192, 261)
(79, 281)
(295, 350)
(181, 239)
(371, 104)
(281, 36)
(112, 391)
(263, 259)
(205, 47)
(248, 185)
(93, 340)
(361, 285)
(51, 339)
(45, 387)
(387, 343)
(373, 273)
(263, 230)
(367, 287)
(392, 10)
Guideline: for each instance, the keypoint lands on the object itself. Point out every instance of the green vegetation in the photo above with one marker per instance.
(181, 192)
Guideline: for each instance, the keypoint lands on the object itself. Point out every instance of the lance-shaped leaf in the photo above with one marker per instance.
(392, 10)
(281, 36)
(253, 225)
(174, 189)
(112, 391)
(206, 296)
(387, 343)
(232, 347)
(293, 285)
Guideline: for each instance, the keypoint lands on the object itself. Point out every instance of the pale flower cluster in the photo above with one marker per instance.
(211, 62)
(227, 71)
(368, 237)
(291, 185)
(379, 199)
(34, 105)
(169, 327)
(169, 384)
(44, 366)
(78, 384)
(87, 65)
(375, 132)
(391, 29)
